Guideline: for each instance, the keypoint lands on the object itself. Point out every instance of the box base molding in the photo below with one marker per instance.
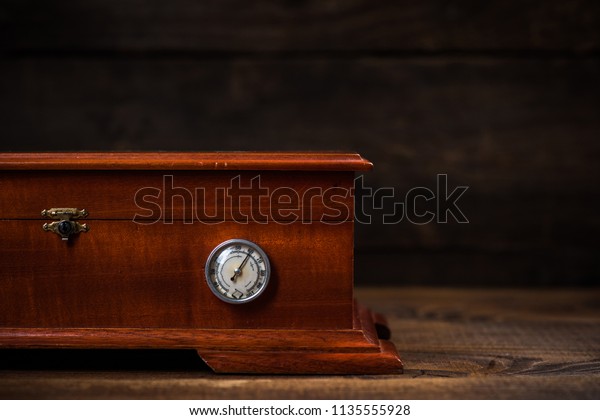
(364, 349)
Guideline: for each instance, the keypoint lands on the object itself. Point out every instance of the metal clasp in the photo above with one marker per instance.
(65, 226)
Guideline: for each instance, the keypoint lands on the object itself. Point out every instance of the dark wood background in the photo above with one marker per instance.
(503, 96)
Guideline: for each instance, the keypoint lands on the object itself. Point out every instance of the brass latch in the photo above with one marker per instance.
(65, 226)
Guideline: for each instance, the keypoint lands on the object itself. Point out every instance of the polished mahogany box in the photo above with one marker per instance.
(245, 257)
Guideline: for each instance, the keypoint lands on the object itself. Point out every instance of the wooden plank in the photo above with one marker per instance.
(557, 266)
(194, 383)
(456, 343)
(527, 332)
(541, 239)
(184, 25)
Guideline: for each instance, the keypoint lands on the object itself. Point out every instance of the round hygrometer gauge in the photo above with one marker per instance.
(237, 271)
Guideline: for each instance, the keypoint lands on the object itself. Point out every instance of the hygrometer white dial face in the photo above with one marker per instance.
(237, 271)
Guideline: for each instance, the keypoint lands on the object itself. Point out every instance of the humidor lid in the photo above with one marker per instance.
(276, 161)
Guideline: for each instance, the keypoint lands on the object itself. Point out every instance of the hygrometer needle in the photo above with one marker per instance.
(238, 270)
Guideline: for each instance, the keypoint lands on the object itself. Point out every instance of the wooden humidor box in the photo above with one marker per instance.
(131, 271)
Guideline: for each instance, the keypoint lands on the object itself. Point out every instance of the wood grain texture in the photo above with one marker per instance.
(368, 354)
(152, 196)
(122, 274)
(350, 351)
(357, 25)
(456, 343)
(491, 120)
(384, 362)
(208, 161)
(351, 340)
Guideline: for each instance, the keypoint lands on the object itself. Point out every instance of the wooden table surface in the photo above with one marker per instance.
(455, 343)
